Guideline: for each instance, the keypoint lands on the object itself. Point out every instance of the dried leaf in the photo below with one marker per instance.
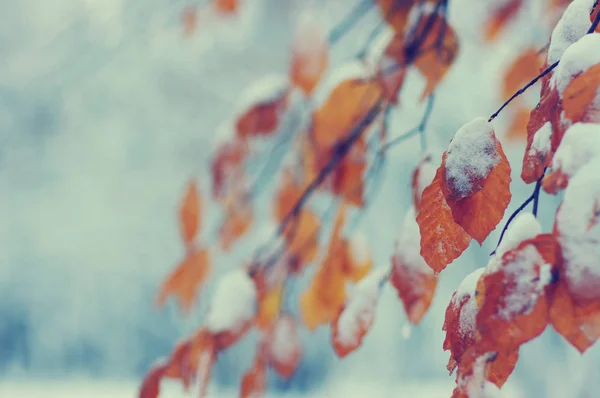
(580, 96)
(411, 276)
(268, 308)
(226, 6)
(186, 279)
(310, 54)
(302, 238)
(254, 382)
(263, 118)
(442, 239)
(227, 168)
(347, 104)
(500, 17)
(395, 12)
(189, 213)
(150, 387)
(358, 260)
(238, 220)
(520, 72)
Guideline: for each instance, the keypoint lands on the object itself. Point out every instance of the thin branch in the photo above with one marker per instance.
(359, 11)
(534, 197)
(538, 77)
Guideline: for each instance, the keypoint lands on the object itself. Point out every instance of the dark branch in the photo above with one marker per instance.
(534, 197)
(538, 77)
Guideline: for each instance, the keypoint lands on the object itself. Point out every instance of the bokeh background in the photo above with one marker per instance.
(107, 109)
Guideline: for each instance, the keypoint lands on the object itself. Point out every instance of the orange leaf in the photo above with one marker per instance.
(237, 222)
(254, 381)
(227, 167)
(186, 279)
(358, 261)
(302, 238)
(190, 20)
(321, 302)
(268, 308)
(392, 68)
(513, 293)
(284, 347)
(580, 96)
(518, 127)
(459, 321)
(395, 12)
(264, 115)
(189, 213)
(349, 174)
(356, 317)
(442, 239)
(226, 6)
(411, 276)
(422, 177)
(288, 194)
(439, 46)
(150, 387)
(480, 213)
(310, 54)
(501, 16)
(347, 104)
(524, 68)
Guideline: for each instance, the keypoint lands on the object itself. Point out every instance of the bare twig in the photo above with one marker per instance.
(542, 74)
(534, 197)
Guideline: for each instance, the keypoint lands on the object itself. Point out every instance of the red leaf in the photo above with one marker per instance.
(254, 381)
(264, 115)
(442, 239)
(411, 276)
(150, 387)
(189, 213)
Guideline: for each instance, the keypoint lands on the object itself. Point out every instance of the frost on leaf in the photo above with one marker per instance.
(442, 239)
(310, 54)
(513, 292)
(262, 106)
(422, 177)
(575, 308)
(284, 346)
(501, 16)
(476, 179)
(579, 146)
(356, 317)
(411, 276)
(232, 308)
(186, 279)
(459, 322)
(537, 154)
(189, 213)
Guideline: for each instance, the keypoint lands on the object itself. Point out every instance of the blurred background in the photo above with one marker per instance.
(107, 109)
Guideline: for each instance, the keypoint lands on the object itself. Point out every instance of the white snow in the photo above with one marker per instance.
(263, 90)
(359, 248)
(285, 343)
(524, 226)
(408, 244)
(425, 177)
(528, 288)
(577, 58)
(376, 50)
(468, 312)
(580, 144)
(359, 311)
(572, 26)
(578, 238)
(471, 156)
(541, 140)
(310, 36)
(233, 302)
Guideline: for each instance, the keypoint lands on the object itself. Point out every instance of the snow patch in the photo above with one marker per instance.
(408, 244)
(580, 144)
(572, 26)
(541, 140)
(471, 155)
(468, 312)
(285, 343)
(524, 226)
(264, 90)
(233, 302)
(577, 58)
(359, 248)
